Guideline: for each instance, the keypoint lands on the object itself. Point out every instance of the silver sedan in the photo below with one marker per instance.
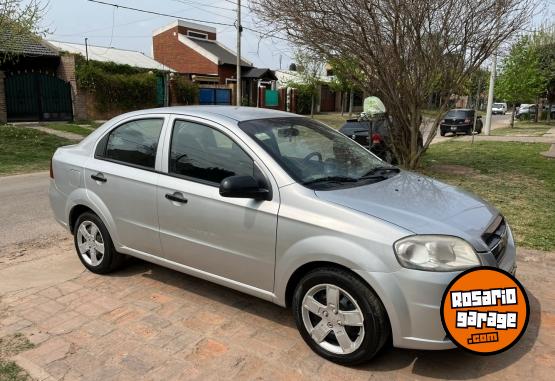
(283, 208)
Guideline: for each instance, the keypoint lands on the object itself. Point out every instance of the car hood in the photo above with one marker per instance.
(420, 204)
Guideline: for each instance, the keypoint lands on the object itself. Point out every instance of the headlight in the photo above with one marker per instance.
(435, 253)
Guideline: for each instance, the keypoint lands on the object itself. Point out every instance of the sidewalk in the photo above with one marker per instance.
(151, 323)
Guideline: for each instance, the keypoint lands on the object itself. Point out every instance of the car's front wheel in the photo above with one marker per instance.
(94, 245)
(339, 316)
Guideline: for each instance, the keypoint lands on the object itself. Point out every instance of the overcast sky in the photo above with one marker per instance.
(73, 20)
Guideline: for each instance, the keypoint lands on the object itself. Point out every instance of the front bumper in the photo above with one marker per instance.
(455, 128)
(412, 299)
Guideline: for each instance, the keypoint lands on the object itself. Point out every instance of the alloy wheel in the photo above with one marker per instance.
(90, 243)
(333, 319)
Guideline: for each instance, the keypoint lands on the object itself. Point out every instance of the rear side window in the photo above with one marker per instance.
(135, 142)
(203, 153)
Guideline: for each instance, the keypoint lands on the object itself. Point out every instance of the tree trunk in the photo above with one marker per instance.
(536, 117)
(351, 102)
(312, 106)
(343, 98)
(549, 106)
(513, 117)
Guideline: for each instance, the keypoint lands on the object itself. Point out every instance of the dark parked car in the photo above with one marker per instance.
(371, 133)
(460, 120)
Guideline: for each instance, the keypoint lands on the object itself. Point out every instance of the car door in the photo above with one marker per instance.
(122, 177)
(230, 238)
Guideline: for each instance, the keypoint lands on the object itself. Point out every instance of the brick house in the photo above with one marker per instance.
(193, 49)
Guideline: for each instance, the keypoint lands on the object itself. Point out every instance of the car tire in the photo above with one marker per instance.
(94, 245)
(349, 335)
(442, 133)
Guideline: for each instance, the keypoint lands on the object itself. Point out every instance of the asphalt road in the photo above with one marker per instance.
(25, 210)
(497, 121)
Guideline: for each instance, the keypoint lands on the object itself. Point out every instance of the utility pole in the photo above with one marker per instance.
(239, 30)
(487, 127)
(86, 49)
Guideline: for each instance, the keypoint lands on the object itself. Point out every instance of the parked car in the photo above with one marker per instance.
(371, 133)
(284, 208)
(526, 111)
(499, 108)
(460, 120)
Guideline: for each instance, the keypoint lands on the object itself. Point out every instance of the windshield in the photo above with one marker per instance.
(498, 105)
(459, 114)
(312, 153)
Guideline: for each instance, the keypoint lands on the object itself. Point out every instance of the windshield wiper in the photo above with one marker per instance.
(373, 174)
(331, 179)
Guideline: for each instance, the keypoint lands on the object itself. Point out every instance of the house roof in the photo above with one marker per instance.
(213, 50)
(107, 54)
(259, 73)
(25, 45)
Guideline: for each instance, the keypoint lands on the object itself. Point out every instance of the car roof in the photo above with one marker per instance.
(238, 114)
(461, 109)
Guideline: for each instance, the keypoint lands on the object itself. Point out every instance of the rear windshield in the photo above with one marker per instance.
(459, 113)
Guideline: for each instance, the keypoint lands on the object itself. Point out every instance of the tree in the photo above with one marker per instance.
(407, 49)
(521, 79)
(309, 69)
(346, 78)
(18, 18)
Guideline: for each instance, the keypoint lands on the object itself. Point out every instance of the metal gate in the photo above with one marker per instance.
(214, 96)
(35, 96)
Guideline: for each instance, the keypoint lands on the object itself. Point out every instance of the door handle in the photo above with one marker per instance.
(176, 197)
(99, 177)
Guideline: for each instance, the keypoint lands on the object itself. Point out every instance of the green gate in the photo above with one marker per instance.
(35, 96)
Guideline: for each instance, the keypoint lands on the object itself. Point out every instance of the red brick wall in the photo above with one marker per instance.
(66, 71)
(226, 71)
(168, 50)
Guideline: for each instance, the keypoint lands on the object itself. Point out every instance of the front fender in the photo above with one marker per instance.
(331, 249)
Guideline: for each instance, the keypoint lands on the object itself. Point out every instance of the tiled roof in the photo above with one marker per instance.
(24, 45)
(107, 54)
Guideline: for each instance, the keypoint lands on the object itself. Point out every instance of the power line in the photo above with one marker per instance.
(158, 13)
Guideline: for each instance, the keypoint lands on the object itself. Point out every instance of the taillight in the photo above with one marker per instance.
(51, 171)
(376, 138)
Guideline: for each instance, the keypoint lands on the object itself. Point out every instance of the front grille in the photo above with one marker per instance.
(496, 237)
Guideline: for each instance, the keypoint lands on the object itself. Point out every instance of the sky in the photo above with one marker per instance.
(73, 20)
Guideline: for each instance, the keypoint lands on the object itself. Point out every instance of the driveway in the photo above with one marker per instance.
(147, 322)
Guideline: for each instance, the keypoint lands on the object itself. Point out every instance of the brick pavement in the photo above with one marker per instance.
(147, 322)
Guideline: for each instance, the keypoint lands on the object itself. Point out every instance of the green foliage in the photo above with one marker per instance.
(522, 78)
(347, 74)
(187, 91)
(305, 92)
(117, 87)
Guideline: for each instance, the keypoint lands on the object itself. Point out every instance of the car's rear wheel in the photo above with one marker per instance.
(94, 245)
(339, 316)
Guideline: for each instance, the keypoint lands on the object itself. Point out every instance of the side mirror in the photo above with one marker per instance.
(243, 187)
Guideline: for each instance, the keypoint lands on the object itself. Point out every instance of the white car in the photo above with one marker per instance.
(499, 108)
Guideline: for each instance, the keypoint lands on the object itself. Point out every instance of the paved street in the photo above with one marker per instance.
(151, 323)
(497, 121)
(25, 210)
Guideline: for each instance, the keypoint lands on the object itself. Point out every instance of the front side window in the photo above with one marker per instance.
(203, 153)
(135, 142)
(312, 153)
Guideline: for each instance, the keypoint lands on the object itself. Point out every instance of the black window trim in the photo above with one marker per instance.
(195, 179)
(104, 140)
